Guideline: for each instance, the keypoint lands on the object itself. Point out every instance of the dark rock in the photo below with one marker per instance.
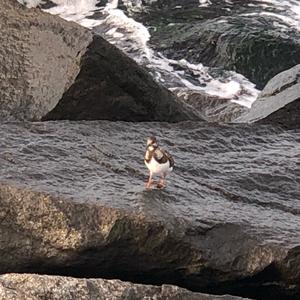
(279, 102)
(72, 202)
(34, 77)
(112, 86)
(37, 287)
(256, 47)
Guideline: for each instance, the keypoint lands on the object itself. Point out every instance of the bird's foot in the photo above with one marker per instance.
(149, 184)
(161, 184)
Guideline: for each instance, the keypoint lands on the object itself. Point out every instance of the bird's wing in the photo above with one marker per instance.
(160, 156)
(169, 157)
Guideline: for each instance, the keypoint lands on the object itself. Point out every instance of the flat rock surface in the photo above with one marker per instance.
(74, 202)
(37, 287)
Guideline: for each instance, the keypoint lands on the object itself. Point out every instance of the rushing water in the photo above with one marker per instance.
(133, 37)
(237, 174)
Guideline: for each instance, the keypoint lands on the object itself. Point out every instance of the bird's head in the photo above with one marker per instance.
(151, 141)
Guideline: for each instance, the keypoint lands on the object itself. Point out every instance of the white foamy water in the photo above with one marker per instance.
(132, 37)
(204, 3)
(76, 11)
(287, 11)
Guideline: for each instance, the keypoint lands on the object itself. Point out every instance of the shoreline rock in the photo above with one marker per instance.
(38, 287)
(50, 235)
(279, 102)
(33, 74)
(72, 202)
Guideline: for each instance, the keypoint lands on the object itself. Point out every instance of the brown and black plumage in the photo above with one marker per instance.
(158, 161)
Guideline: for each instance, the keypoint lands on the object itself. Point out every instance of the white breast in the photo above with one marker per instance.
(157, 168)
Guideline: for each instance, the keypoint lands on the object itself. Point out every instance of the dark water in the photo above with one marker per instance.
(179, 11)
(237, 174)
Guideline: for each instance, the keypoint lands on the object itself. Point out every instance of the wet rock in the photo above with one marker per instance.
(73, 202)
(33, 74)
(279, 102)
(37, 287)
(257, 47)
(36, 77)
(211, 108)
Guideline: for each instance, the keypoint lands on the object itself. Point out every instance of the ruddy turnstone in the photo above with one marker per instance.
(158, 161)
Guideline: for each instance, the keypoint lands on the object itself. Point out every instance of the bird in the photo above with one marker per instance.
(158, 161)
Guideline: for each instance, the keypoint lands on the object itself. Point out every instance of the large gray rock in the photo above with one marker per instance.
(73, 202)
(41, 55)
(279, 102)
(40, 58)
(38, 287)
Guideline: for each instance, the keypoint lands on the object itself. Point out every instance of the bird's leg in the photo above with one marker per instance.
(148, 185)
(162, 181)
